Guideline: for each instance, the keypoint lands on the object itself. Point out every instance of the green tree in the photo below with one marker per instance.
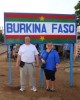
(1, 38)
(77, 12)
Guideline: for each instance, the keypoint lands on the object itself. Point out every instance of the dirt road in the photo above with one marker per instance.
(63, 89)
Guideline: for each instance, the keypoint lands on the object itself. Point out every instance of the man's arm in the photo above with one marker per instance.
(18, 60)
(37, 60)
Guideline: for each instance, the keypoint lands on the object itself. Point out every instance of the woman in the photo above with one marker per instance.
(51, 59)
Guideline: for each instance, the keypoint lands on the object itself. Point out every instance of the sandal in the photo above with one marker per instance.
(47, 89)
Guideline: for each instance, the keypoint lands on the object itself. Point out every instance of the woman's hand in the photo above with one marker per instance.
(57, 66)
(43, 61)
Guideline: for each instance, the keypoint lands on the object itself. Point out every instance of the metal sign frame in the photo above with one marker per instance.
(10, 18)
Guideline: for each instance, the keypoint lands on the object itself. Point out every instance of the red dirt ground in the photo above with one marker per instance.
(63, 89)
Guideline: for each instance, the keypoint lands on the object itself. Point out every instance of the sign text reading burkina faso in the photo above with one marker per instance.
(42, 28)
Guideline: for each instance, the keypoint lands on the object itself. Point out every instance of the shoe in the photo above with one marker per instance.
(47, 89)
(21, 89)
(52, 90)
(34, 89)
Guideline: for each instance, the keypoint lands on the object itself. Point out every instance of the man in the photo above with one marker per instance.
(29, 55)
(66, 50)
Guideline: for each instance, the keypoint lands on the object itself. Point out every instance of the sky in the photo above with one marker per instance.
(36, 6)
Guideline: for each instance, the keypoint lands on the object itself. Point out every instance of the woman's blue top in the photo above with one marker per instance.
(52, 59)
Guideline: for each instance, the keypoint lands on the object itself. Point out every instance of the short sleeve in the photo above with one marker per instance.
(36, 51)
(19, 52)
(57, 59)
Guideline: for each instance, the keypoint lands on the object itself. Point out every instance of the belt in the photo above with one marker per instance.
(29, 63)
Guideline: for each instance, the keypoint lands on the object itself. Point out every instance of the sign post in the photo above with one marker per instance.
(9, 65)
(71, 64)
(41, 70)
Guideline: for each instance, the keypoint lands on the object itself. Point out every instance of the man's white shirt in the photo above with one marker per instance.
(27, 53)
